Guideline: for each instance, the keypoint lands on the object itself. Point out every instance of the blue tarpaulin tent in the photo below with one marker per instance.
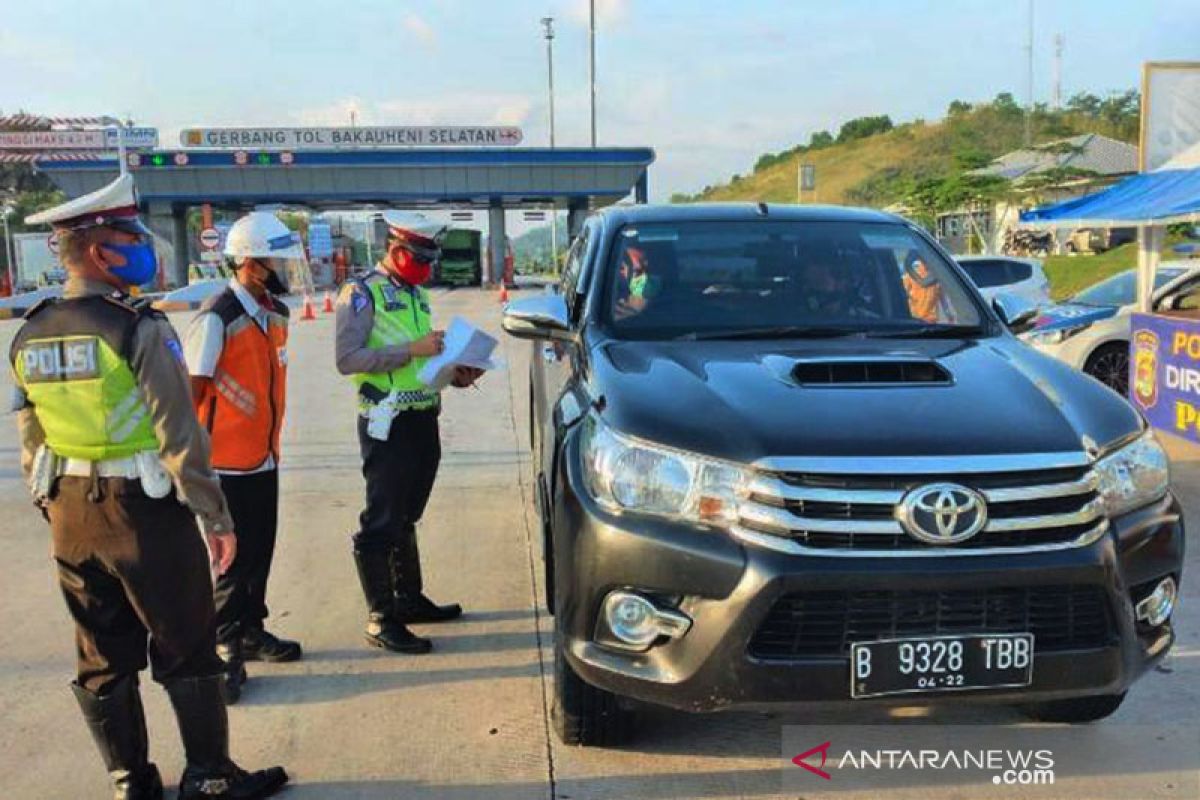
(1151, 201)
(1155, 198)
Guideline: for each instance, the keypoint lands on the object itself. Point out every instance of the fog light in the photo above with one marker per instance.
(1157, 607)
(636, 621)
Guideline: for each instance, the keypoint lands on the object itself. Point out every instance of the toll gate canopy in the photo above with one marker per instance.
(170, 182)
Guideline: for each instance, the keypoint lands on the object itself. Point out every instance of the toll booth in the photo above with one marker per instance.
(575, 180)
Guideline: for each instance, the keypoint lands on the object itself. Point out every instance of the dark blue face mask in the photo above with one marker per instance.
(141, 265)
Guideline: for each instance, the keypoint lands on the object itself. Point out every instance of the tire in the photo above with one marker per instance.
(1071, 249)
(1077, 710)
(582, 714)
(1110, 365)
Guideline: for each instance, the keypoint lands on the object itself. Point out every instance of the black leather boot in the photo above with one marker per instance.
(234, 676)
(383, 630)
(262, 645)
(204, 727)
(118, 725)
(411, 604)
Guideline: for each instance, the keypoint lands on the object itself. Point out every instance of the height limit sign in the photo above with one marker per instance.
(210, 238)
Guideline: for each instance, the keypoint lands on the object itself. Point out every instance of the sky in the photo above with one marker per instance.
(709, 84)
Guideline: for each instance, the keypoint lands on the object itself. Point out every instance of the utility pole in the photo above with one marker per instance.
(1058, 54)
(592, 62)
(1029, 84)
(548, 27)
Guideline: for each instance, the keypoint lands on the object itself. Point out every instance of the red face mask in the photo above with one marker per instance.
(410, 270)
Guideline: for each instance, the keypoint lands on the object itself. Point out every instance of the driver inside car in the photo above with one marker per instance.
(637, 285)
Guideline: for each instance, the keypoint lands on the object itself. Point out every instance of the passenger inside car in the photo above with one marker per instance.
(923, 289)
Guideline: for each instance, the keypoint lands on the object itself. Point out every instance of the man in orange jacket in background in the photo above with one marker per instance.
(924, 290)
(237, 357)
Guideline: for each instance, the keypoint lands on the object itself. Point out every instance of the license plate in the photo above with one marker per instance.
(940, 664)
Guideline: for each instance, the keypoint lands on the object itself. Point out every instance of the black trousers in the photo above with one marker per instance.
(241, 593)
(400, 474)
(135, 574)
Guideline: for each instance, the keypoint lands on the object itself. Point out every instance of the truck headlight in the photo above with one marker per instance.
(624, 474)
(1135, 475)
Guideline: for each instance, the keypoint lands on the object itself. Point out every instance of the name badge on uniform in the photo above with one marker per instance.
(283, 356)
(391, 302)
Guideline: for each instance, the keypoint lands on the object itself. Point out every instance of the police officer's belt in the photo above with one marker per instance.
(112, 468)
(372, 395)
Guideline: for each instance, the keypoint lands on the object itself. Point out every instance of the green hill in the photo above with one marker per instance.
(875, 163)
(531, 250)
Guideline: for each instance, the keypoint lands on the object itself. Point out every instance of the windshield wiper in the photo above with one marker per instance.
(927, 332)
(774, 332)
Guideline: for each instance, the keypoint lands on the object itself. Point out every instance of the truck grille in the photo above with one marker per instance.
(825, 624)
(839, 514)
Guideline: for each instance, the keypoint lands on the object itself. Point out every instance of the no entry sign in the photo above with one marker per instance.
(210, 238)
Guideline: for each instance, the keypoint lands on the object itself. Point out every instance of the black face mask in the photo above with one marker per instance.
(274, 284)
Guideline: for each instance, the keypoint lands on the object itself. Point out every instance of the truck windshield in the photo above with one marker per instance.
(701, 278)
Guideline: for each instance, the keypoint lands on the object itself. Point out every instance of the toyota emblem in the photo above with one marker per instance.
(942, 513)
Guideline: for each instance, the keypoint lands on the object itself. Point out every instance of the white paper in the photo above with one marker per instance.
(466, 346)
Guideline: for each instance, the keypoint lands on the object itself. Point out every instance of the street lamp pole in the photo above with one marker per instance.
(592, 62)
(5, 212)
(548, 25)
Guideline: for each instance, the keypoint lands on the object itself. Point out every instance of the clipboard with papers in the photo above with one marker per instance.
(465, 346)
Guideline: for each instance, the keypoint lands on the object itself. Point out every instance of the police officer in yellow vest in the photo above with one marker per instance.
(384, 335)
(120, 468)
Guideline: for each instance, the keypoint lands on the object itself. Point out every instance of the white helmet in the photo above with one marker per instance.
(260, 234)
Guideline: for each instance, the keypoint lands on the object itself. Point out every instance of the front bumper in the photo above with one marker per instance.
(727, 589)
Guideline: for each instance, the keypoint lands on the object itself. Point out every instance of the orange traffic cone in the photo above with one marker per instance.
(503, 293)
(309, 311)
(327, 306)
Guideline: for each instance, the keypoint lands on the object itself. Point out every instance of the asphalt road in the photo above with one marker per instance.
(469, 721)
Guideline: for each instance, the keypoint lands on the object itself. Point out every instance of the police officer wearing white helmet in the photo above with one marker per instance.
(237, 357)
(384, 335)
(120, 467)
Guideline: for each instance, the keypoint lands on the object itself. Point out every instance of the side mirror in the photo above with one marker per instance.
(539, 317)
(1015, 311)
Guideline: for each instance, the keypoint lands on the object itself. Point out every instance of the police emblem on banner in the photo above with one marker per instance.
(1145, 368)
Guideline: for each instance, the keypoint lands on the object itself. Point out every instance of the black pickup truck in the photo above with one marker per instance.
(789, 454)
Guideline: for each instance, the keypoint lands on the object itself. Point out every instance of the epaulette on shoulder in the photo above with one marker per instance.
(123, 302)
(140, 306)
(39, 306)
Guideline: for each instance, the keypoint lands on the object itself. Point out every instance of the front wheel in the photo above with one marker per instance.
(1076, 710)
(582, 714)
(1110, 366)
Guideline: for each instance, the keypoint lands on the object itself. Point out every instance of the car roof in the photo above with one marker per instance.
(1033, 262)
(733, 212)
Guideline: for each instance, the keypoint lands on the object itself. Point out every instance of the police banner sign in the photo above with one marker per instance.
(350, 138)
(97, 139)
(1164, 373)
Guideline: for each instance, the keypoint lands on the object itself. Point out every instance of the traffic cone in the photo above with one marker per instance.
(327, 306)
(503, 293)
(309, 311)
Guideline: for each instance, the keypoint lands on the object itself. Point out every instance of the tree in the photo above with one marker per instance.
(820, 139)
(862, 127)
(1005, 103)
(957, 108)
(1084, 103)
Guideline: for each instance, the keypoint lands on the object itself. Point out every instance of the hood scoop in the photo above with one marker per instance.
(869, 372)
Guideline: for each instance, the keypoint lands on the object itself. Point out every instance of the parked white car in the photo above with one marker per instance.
(995, 275)
(1091, 330)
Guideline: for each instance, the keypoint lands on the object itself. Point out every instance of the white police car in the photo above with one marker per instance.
(1091, 330)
